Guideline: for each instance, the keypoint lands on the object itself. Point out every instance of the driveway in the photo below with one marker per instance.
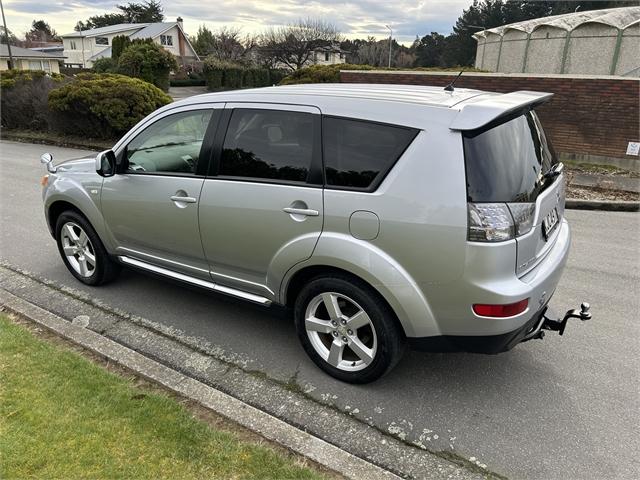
(558, 408)
(178, 93)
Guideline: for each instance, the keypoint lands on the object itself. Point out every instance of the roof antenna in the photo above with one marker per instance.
(449, 88)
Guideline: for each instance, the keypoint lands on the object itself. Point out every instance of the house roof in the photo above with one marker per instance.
(101, 54)
(147, 30)
(152, 30)
(93, 32)
(620, 18)
(19, 52)
(329, 49)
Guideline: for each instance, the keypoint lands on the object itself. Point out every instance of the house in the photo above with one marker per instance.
(27, 59)
(84, 47)
(328, 55)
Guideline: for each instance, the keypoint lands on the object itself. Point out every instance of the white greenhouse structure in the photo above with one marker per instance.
(596, 42)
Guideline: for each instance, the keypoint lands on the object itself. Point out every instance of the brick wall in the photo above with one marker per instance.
(588, 117)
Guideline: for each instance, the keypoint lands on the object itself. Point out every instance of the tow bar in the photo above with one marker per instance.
(557, 325)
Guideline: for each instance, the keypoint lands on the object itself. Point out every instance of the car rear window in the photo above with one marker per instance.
(358, 154)
(506, 162)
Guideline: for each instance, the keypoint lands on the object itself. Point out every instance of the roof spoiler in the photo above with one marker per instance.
(477, 114)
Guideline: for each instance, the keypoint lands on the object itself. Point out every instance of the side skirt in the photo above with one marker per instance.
(194, 281)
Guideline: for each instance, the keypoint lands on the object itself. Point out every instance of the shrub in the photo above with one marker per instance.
(103, 105)
(105, 65)
(149, 61)
(24, 96)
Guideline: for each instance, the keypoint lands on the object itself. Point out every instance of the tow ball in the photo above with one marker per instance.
(558, 325)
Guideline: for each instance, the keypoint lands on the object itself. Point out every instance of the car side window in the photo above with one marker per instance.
(358, 154)
(268, 144)
(170, 145)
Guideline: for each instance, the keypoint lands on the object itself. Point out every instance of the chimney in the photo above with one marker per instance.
(179, 20)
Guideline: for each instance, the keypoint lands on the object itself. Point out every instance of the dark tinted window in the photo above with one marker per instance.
(170, 145)
(269, 144)
(359, 153)
(505, 163)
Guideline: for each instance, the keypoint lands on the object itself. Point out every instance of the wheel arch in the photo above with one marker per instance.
(56, 204)
(56, 209)
(405, 300)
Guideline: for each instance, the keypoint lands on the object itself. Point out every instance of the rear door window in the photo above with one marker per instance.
(358, 154)
(268, 144)
(506, 162)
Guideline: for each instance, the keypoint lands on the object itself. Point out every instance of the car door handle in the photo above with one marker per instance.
(179, 198)
(301, 211)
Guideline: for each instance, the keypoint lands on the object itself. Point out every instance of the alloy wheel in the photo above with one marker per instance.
(340, 331)
(78, 249)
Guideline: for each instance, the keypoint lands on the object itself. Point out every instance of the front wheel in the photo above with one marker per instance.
(82, 251)
(347, 329)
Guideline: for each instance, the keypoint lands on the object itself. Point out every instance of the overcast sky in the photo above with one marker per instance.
(356, 19)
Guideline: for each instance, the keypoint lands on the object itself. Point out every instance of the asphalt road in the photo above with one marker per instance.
(565, 407)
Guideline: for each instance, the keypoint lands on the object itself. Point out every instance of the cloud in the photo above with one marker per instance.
(408, 18)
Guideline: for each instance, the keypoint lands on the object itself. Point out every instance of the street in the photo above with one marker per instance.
(558, 408)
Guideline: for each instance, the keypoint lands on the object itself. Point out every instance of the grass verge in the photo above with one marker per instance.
(63, 416)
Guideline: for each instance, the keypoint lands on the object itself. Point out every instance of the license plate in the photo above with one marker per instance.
(550, 222)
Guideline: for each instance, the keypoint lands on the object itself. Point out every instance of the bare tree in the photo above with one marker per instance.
(376, 53)
(293, 44)
(225, 44)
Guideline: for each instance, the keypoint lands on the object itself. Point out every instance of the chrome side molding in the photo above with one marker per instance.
(194, 281)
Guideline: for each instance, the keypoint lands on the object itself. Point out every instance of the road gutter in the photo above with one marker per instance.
(266, 425)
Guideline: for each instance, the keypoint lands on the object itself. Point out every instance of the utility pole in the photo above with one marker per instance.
(6, 33)
(390, 39)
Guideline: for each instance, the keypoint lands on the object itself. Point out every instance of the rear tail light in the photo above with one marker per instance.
(501, 311)
(497, 222)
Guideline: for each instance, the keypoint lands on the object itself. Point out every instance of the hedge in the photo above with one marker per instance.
(331, 73)
(320, 73)
(103, 105)
(187, 82)
(221, 74)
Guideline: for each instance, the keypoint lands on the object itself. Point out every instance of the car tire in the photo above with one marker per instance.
(359, 340)
(82, 251)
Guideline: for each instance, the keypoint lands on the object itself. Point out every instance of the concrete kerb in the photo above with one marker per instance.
(229, 407)
(606, 205)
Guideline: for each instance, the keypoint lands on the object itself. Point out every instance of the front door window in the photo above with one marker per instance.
(171, 145)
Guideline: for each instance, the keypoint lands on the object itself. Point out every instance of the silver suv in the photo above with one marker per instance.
(381, 215)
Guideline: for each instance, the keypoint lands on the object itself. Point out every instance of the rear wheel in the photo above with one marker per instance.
(82, 251)
(347, 329)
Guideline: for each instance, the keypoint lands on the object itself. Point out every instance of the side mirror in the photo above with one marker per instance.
(47, 159)
(106, 163)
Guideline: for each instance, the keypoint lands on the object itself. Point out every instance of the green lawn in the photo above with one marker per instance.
(62, 416)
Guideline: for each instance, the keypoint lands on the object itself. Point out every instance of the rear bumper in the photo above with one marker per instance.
(488, 344)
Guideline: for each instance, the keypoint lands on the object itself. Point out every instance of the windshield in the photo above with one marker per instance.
(506, 162)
